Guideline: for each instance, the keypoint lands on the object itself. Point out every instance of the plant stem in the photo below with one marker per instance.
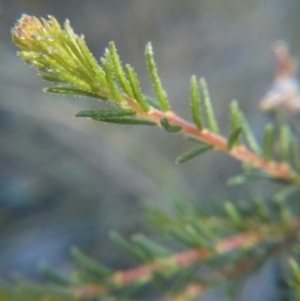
(281, 171)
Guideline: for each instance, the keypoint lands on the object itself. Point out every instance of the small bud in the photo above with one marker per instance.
(27, 31)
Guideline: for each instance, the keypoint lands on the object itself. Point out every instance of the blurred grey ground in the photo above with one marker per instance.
(67, 182)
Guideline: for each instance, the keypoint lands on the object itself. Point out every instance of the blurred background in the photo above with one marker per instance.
(67, 181)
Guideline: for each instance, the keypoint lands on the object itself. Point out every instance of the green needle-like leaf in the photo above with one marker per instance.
(262, 210)
(120, 74)
(109, 72)
(169, 127)
(248, 176)
(285, 142)
(126, 121)
(296, 274)
(235, 119)
(30, 291)
(78, 49)
(135, 86)
(117, 116)
(195, 102)
(128, 247)
(69, 90)
(55, 277)
(235, 216)
(159, 90)
(105, 114)
(236, 128)
(268, 141)
(89, 264)
(234, 137)
(150, 246)
(189, 240)
(193, 153)
(250, 138)
(198, 239)
(286, 193)
(295, 153)
(208, 109)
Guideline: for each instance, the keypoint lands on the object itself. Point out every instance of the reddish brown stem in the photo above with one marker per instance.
(144, 273)
(277, 170)
(186, 258)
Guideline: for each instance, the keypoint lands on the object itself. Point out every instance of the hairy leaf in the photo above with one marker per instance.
(208, 109)
(195, 102)
(159, 90)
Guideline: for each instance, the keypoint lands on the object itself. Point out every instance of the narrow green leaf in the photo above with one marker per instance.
(169, 127)
(120, 74)
(131, 249)
(109, 74)
(208, 109)
(30, 291)
(195, 102)
(261, 210)
(234, 216)
(283, 209)
(234, 115)
(73, 45)
(150, 246)
(105, 113)
(135, 86)
(99, 74)
(55, 277)
(237, 180)
(183, 238)
(268, 141)
(192, 139)
(249, 176)
(68, 90)
(234, 137)
(193, 153)
(89, 264)
(50, 77)
(126, 121)
(58, 74)
(250, 138)
(87, 278)
(206, 229)
(286, 193)
(117, 116)
(295, 269)
(284, 142)
(195, 236)
(158, 88)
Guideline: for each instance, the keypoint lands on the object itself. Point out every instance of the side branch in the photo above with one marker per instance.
(281, 171)
(145, 273)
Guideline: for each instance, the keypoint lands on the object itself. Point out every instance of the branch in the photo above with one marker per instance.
(62, 57)
(145, 273)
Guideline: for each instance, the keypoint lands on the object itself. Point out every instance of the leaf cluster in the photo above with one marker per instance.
(235, 238)
(209, 249)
